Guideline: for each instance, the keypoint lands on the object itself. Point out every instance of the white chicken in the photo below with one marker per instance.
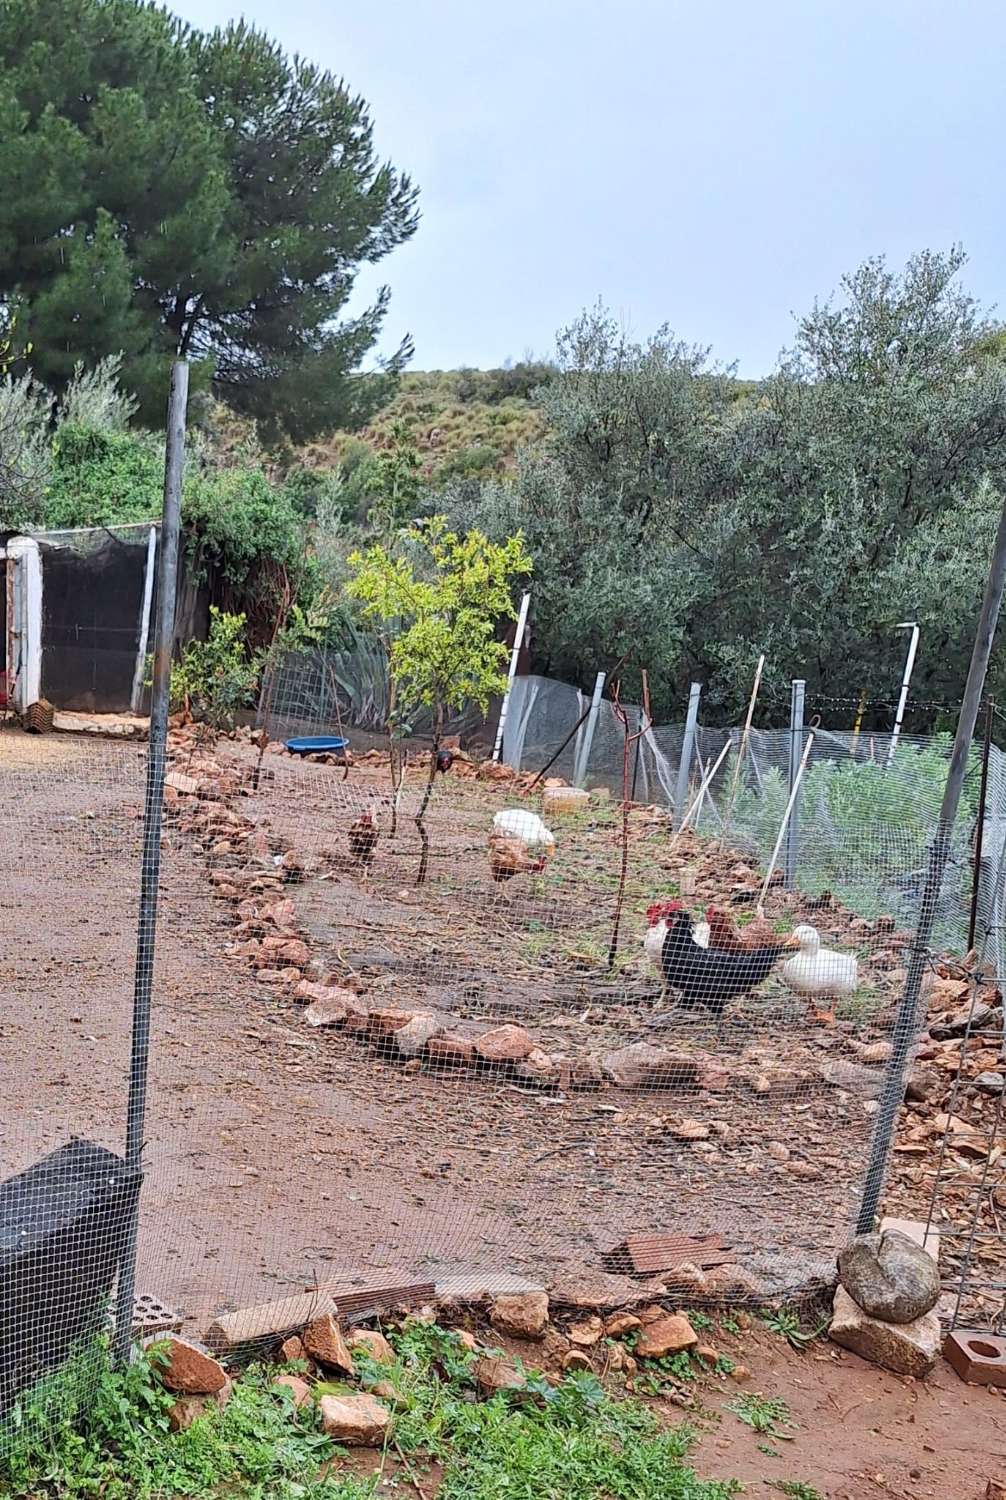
(519, 844)
(657, 917)
(819, 973)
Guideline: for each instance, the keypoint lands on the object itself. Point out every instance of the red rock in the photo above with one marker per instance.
(668, 1335)
(504, 1044)
(411, 1039)
(520, 1315)
(330, 1009)
(358, 1421)
(450, 1050)
(323, 1340)
(368, 1341)
(494, 1374)
(292, 1350)
(576, 1359)
(295, 952)
(586, 1334)
(641, 1065)
(385, 1020)
(188, 1409)
(183, 1367)
(300, 1388)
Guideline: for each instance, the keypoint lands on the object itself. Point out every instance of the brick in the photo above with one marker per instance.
(978, 1358)
(269, 1321)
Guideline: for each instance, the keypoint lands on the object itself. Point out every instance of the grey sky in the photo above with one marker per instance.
(714, 166)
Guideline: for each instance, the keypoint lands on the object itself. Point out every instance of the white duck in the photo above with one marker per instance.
(819, 973)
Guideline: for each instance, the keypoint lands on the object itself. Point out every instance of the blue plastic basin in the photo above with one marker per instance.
(317, 744)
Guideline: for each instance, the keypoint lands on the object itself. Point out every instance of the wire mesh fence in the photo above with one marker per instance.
(591, 1051)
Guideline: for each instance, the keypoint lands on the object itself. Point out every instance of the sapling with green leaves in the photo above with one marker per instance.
(438, 602)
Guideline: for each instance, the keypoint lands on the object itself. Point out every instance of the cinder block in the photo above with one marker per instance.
(978, 1358)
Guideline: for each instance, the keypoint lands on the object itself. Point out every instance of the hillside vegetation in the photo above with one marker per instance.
(462, 422)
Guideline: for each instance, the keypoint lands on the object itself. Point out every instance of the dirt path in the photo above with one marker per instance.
(860, 1433)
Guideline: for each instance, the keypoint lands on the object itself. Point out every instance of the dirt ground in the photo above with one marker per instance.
(278, 1156)
(859, 1433)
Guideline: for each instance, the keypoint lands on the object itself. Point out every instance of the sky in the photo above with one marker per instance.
(714, 166)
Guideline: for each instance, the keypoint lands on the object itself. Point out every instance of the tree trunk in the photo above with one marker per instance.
(424, 858)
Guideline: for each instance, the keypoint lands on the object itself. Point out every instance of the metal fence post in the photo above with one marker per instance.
(151, 867)
(906, 1021)
(583, 759)
(797, 691)
(687, 747)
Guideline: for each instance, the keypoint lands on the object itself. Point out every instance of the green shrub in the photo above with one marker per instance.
(217, 677)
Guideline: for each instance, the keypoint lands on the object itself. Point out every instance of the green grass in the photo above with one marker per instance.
(93, 1432)
(766, 1414)
(786, 1322)
(795, 1489)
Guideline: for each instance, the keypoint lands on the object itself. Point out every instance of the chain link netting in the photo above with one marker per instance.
(584, 1030)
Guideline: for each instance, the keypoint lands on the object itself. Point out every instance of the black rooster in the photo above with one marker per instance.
(711, 977)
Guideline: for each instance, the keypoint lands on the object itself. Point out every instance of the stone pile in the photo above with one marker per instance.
(883, 1308)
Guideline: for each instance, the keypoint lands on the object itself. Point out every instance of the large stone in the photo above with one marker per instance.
(183, 1367)
(323, 1340)
(520, 1315)
(641, 1066)
(668, 1335)
(504, 1044)
(889, 1276)
(906, 1348)
(358, 1421)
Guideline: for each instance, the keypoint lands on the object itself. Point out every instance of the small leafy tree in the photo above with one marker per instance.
(442, 605)
(216, 677)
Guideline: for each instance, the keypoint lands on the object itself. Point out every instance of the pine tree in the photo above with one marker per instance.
(234, 190)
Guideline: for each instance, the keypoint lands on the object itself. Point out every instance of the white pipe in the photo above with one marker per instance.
(700, 793)
(785, 818)
(903, 699)
(136, 696)
(514, 655)
(586, 743)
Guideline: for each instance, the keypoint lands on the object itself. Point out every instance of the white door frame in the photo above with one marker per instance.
(24, 620)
